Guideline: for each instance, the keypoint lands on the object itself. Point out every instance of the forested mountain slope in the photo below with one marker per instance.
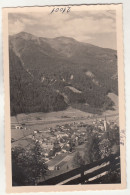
(50, 74)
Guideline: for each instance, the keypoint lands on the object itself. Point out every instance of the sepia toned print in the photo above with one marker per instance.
(64, 94)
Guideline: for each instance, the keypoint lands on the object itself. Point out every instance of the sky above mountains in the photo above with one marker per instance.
(95, 27)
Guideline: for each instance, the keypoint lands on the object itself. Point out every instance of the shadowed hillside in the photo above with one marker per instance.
(45, 72)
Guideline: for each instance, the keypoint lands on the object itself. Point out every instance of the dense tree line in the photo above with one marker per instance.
(27, 94)
(27, 165)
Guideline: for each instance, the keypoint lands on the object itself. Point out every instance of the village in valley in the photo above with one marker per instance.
(61, 143)
(64, 107)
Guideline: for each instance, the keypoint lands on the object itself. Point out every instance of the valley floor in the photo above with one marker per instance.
(65, 127)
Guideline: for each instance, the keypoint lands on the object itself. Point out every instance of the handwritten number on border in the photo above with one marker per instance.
(61, 10)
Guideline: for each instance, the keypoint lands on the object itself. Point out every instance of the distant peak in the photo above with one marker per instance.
(62, 38)
(25, 35)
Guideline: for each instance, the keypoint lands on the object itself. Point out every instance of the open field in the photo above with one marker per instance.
(43, 121)
(43, 126)
(66, 115)
(52, 116)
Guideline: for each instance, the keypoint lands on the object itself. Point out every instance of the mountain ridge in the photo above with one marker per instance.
(56, 38)
(59, 62)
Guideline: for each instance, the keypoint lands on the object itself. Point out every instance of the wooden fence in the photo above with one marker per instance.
(87, 174)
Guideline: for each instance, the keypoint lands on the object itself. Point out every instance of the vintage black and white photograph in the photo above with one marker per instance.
(64, 96)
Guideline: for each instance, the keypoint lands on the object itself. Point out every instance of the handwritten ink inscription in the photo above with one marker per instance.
(61, 10)
(122, 137)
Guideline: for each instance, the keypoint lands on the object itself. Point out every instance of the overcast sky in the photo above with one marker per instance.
(96, 27)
